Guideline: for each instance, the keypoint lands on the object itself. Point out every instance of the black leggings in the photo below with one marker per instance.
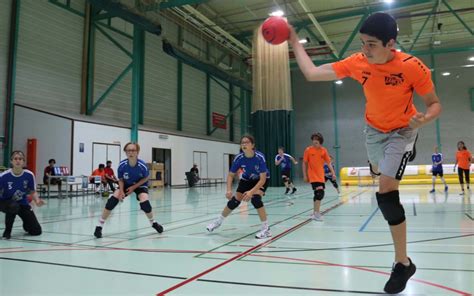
(30, 223)
(334, 182)
(466, 174)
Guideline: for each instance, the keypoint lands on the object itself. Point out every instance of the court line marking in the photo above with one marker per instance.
(365, 269)
(249, 251)
(361, 229)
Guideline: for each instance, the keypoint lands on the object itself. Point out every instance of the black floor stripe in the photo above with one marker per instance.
(290, 287)
(94, 268)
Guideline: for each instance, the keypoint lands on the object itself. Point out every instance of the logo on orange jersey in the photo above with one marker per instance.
(394, 79)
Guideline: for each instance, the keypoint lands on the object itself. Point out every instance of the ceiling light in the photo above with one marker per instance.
(304, 40)
(277, 13)
(445, 73)
(399, 50)
(388, 1)
(471, 59)
(338, 82)
(468, 66)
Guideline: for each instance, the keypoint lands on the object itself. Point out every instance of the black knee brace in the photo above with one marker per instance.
(318, 194)
(233, 203)
(257, 201)
(111, 203)
(391, 208)
(10, 207)
(146, 206)
(285, 179)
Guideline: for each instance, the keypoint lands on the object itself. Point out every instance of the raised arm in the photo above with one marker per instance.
(311, 72)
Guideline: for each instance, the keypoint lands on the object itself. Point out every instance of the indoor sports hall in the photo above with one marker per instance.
(254, 147)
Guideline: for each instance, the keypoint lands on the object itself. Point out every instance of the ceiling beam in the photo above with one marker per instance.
(351, 13)
(318, 27)
(177, 3)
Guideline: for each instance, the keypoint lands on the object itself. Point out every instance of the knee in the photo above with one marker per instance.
(318, 194)
(111, 203)
(233, 203)
(35, 231)
(391, 208)
(257, 201)
(146, 206)
(12, 207)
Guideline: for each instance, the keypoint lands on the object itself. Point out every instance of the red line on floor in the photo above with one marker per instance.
(243, 254)
(363, 269)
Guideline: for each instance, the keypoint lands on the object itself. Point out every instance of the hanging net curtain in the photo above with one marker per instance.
(271, 75)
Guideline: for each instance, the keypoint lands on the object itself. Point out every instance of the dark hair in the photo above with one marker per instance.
(463, 145)
(17, 152)
(251, 138)
(131, 143)
(109, 161)
(101, 166)
(381, 26)
(282, 148)
(318, 137)
(51, 160)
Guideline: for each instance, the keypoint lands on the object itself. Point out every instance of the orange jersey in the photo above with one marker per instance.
(388, 87)
(463, 158)
(315, 159)
(97, 172)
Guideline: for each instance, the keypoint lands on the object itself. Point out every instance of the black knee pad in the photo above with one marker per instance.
(285, 179)
(257, 201)
(35, 231)
(146, 206)
(391, 208)
(12, 207)
(318, 194)
(111, 203)
(233, 203)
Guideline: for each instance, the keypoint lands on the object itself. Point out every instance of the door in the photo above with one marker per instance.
(200, 158)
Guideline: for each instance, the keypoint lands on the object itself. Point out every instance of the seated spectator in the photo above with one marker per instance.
(110, 176)
(48, 172)
(195, 172)
(99, 172)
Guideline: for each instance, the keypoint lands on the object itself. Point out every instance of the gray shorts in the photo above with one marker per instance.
(390, 151)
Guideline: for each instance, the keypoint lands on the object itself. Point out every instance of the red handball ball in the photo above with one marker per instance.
(275, 30)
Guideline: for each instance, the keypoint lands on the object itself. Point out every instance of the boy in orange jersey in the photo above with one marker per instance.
(314, 158)
(389, 80)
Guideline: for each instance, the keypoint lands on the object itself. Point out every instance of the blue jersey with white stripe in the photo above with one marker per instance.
(437, 158)
(285, 164)
(13, 187)
(132, 174)
(252, 166)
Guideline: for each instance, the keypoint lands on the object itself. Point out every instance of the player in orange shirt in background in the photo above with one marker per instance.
(463, 161)
(314, 158)
(389, 79)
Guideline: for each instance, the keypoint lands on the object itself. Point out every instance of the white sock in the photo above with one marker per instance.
(221, 218)
(101, 222)
(152, 220)
(265, 224)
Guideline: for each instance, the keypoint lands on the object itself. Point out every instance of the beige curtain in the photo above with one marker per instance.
(271, 75)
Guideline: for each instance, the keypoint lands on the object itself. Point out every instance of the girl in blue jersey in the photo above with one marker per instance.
(284, 160)
(437, 169)
(17, 185)
(252, 185)
(133, 178)
(329, 176)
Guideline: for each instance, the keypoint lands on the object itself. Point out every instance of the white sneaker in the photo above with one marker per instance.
(317, 217)
(214, 225)
(264, 233)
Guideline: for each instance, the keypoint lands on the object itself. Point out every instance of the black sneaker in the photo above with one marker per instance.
(287, 190)
(399, 277)
(7, 234)
(98, 232)
(158, 227)
(293, 191)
